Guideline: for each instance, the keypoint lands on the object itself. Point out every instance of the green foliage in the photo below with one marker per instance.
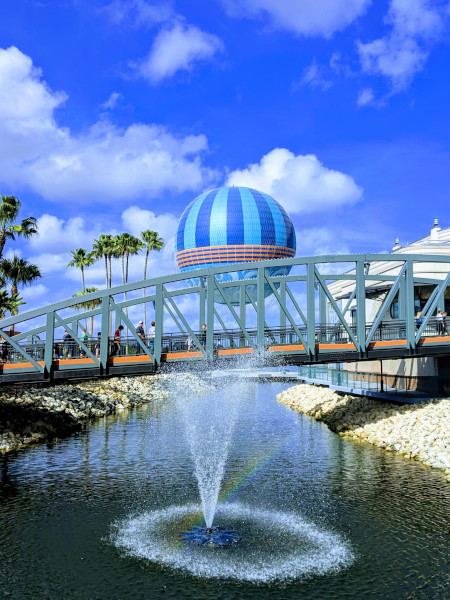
(9, 304)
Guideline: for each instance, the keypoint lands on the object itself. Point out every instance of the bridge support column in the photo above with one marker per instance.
(409, 307)
(361, 307)
(282, 313)
(159, 321)
(260, 308)
(322, 314)
(104, 342)
(202, 300)
(49, 341)
(311, 310)
(242, 312)
(210, 316)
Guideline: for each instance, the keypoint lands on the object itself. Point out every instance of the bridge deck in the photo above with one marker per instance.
(281, 353)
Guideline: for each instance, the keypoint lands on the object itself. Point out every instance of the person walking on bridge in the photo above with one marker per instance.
(141, 335)
(116, 341)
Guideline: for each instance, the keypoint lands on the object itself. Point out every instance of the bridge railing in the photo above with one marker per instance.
(222, 340)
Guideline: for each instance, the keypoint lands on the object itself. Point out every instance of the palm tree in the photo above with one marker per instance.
(104, 247)
(9, 304)
(81, 259)
(152, 241)
(122, 245)
(134, 247)
(9, 211)
(89, 305)
(18, 271)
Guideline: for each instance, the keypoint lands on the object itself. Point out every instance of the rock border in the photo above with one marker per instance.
(416, 431)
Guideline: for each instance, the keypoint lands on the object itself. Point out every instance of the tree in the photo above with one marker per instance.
(9, 304)
(152, 241)
(134, 247)
(104, 246)
(89, 304)
(18, 271)
(9, 211)
(81, 259)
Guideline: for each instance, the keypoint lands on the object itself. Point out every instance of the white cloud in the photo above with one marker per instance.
(105, 163)
(35, 291)
(305, 17)
(59, 235)
(137, 13)
(316, 77)
(366, 96)
(178, 48)
(112, 101)
(324, 76)
(401, 53)
(301, 183)
(136, 219)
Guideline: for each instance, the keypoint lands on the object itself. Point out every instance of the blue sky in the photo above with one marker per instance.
(115, 115)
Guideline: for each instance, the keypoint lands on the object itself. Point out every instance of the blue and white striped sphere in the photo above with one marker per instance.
(230, 225)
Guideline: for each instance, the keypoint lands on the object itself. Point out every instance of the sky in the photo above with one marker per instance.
(114, 115)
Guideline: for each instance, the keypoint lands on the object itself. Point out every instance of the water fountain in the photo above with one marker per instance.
(247, 543)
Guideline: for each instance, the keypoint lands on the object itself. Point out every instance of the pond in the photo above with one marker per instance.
(97, 515)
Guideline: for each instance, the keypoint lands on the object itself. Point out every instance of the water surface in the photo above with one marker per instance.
(61, 506)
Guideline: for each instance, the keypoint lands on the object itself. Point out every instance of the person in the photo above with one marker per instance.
(202, 336)
(444, 324)
(84, 338)
(151, 336)
(439, 322)
(140, 334)
(67, 344)
(419, 320)
(5, 353)
(97, 344)
(189, 342)
(116, 341)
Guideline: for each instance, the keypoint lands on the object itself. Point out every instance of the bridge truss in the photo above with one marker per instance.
(300, 321)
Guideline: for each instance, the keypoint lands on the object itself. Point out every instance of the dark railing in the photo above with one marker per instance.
(230, 339)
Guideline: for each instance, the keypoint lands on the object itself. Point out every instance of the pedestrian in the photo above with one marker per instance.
(140, 333)
(116, 341)
(189, 342)
(439, 322)
(5, 353)
(444, 324)
(84, 338)
(419, 320)
(202, 336)
(97, 344)
(67, 345)
(151, 336)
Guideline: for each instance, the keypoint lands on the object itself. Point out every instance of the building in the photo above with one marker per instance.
(438, 242)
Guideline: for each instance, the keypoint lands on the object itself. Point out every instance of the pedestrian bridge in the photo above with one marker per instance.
(290, 319)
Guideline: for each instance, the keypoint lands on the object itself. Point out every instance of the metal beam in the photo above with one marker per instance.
(132, 329)
(360, 306)
(183, 320)
(441, 289)
(76, 339)
(236, 317)
(337, 310)
(286, 313)
(21, 351)
(386, 304)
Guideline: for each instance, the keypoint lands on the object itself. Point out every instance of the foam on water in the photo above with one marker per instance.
(275, 546)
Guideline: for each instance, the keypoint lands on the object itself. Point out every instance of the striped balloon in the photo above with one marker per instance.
(232, 225)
